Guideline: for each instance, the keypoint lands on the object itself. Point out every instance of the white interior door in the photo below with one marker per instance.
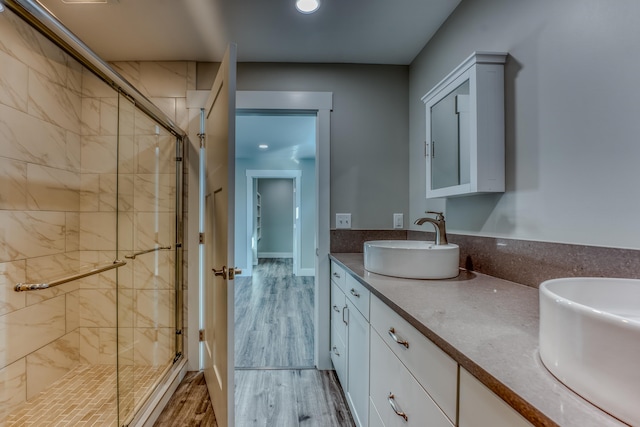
(219, 245)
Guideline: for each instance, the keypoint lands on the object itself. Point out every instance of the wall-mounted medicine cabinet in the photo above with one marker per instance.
(464, 149)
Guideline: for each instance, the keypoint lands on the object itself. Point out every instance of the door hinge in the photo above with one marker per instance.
(201, 238)
(201, 335)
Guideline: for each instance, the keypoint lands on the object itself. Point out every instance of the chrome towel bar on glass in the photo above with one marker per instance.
(159, 248)
(20, 287)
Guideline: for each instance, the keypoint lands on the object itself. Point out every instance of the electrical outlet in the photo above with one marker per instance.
(398, 220)
(343, 220)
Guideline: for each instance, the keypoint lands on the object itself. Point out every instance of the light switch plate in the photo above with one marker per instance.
(343, 220)
(398, 220)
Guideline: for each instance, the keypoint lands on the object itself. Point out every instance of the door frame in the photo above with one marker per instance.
(322, 104)
(295, 175)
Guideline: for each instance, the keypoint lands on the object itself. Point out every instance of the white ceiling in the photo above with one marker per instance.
(342, 31)
(288, 136)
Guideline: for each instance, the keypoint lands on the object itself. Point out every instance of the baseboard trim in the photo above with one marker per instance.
(275, 254)
(306, 272)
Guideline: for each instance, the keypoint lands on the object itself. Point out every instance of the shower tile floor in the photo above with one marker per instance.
(86, 396)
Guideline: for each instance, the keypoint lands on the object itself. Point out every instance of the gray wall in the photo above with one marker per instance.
(307, 206)
(572, 124)
(369, 131)
(277, 215)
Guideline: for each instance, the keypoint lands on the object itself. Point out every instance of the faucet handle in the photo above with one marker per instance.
(439, 215)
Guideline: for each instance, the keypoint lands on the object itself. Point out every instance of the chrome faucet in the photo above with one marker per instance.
(438, 224)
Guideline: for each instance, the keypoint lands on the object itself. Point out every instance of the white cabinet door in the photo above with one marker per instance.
(338, 315)
(358, 365)
(480, 407)
(339, 333)
(374, 416)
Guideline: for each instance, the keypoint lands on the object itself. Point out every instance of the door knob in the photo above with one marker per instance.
(222, 272)
(227, 273)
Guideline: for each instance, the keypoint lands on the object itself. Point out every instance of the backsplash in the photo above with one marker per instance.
(521, 261)
(350, 241)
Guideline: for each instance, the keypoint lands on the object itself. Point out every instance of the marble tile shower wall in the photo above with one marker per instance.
(40, 218)
(58, 139)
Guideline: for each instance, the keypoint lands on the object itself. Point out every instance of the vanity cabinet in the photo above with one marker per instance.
(392, 375)
(350, 340)
(464, 146)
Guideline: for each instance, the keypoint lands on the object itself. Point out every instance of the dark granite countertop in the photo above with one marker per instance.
(490, 327)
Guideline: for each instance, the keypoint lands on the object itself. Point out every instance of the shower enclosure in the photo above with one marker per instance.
(90, 233)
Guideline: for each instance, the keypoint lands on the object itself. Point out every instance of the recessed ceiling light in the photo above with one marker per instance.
(263, 146)
(307, 6)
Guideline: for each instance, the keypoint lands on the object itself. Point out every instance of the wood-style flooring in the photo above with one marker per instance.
(274, 317)
(190, 405)
(274, 329)
(290, 398)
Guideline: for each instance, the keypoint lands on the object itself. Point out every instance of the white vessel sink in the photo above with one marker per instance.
(411, 259)
(590, 340)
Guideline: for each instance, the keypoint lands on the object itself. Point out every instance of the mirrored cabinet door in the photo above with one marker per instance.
(464, 147)
(450, 139)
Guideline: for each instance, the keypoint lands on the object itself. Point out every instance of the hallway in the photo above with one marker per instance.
(276, 381)
(274, 317)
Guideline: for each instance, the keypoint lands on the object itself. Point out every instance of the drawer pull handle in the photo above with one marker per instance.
(392, 334)
(335, 351)
(355, 293)
(336, 309)
(335, 274)
(398, 412)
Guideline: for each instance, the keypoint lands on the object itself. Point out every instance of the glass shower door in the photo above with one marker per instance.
(146, 240)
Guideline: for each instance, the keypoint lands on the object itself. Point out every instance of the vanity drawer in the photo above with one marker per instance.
(338, 275)
(392, 384)
(432, 367)
(338, 315)
(359, 295)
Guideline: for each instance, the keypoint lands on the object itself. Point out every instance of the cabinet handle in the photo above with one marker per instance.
(336, 309)
(345, 308)
(398, 412)
(335, 351)
(335, 274)
(392, 334)
(355, 293)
